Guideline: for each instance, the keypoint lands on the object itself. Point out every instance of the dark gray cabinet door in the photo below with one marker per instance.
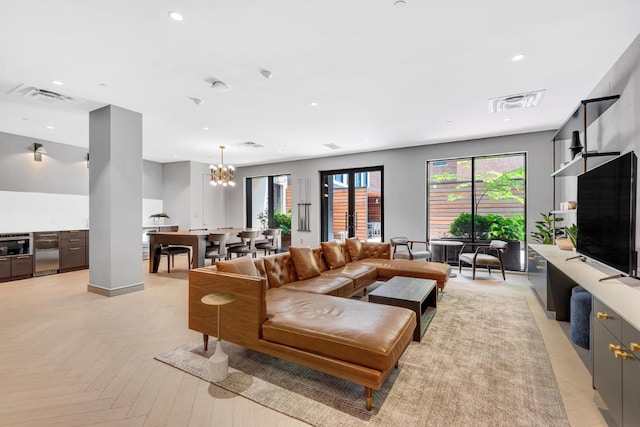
(631, 392)
(607, 370)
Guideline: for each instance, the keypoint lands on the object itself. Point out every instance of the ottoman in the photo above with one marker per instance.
(580, 317)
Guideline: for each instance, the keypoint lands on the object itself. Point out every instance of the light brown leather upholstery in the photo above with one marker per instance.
(354, 246)
(328, 285)
(333, 254)
(351, 339)
(366, 334)
(403, 267)
(304, 262)
(242, 265)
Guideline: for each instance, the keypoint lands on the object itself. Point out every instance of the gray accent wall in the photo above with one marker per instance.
(404, 181)
(618, 129)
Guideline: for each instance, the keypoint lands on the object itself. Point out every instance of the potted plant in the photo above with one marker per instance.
(572, 233)
(545, 227)
(159, 218)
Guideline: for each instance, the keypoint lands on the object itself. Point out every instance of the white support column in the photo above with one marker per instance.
(115, 201)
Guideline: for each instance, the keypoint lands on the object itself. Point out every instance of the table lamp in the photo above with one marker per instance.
(219, 361)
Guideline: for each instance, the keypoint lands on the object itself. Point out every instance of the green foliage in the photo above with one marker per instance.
(497, 185)
(545, 227)
(572, 232)
(489, 227)
(263, 217)
(283, 222)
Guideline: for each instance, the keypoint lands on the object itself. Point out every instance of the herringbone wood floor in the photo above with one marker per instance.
(69, 357)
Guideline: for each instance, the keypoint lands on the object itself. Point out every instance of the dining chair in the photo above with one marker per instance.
(402, 248)
(172, 250)
(482, 256)
(218, 247)
(273, 241)
(247, 244)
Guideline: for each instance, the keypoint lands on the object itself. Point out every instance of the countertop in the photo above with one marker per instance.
(621, 295)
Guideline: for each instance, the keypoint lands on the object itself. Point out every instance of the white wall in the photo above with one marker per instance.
(405, 181)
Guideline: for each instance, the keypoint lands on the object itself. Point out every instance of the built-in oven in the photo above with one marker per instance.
(16, 244)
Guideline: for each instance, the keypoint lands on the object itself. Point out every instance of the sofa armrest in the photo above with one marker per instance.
(242, 319)
(380, 250)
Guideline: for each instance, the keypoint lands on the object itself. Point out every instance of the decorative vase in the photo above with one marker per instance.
(576, 147)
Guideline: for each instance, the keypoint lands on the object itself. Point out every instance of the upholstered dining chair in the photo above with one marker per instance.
(273, 241)
(484, 256)
(218, 246)
(402, 248)
(247, 244)
(172, 250)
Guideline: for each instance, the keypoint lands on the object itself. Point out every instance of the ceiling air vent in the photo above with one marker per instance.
(42, 95)
(520, 100)
(251, 144)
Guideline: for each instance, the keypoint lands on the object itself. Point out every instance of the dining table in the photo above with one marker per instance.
(196, 239)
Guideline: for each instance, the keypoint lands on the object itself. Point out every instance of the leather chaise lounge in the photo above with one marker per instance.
(288, 306)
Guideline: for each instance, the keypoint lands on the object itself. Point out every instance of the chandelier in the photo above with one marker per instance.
(221, 174)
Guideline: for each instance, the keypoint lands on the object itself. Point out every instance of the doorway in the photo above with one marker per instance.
(352, 204)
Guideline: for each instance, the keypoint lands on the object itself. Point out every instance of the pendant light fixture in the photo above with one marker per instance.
(221, 174)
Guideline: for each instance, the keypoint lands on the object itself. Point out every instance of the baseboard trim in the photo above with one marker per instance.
(117, 291)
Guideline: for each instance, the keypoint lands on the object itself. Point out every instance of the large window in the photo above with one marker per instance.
(476, 199)
(269, 204)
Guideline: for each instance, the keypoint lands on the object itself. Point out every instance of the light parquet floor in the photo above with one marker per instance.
(73, 358)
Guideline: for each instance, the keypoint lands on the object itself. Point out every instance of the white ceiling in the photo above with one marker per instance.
(382, 76)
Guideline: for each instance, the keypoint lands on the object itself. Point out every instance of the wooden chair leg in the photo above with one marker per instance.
(502, 268)
(205, 341)
(473, 269)
(168, 263)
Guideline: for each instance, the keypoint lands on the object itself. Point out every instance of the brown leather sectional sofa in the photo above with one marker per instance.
(286, 306)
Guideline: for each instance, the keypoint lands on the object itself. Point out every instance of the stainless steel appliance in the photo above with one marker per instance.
(47, 253)
(15, 244)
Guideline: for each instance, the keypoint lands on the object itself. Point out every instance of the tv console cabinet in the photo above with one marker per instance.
(615, 331)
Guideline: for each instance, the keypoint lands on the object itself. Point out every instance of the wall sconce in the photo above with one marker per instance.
(87, 159)
(38, 151)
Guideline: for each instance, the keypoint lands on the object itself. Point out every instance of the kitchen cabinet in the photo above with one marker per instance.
(616, 366)
(73, 250)
(5, 268)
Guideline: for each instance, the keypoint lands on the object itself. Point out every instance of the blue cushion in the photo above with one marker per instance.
(577, 289)
(580, 316)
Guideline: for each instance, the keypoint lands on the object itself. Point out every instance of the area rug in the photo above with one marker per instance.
(482, 362)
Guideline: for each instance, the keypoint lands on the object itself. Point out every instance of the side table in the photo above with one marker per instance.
(219, 361)
(446, 244)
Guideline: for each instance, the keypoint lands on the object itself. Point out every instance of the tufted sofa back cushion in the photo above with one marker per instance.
(375, 250)
(279, 270)
(320, 260)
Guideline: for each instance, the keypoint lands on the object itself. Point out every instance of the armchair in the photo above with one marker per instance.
(482, 256)
(402, 248)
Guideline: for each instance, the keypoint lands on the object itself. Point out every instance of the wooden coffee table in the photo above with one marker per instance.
(419, 295)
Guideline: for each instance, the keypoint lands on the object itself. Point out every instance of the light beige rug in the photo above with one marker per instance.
(482, 362)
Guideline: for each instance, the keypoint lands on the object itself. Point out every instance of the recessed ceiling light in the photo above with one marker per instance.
(518, 57)
(205, 128)
(25, 118)
(449, 122)
(57, 82)
(176, 16)
(102, 84)
(314, 104)
(265, 73)
(506, 119)
(50, 127)
(367, 139)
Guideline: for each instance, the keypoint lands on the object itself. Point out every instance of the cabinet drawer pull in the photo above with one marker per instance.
(48, 235)
(74, 249)
(74, 240)
(621, 354)
(634, 346)
(4, 259)
(23, 257)
(601, 315)
(539, 267)
(614, 347)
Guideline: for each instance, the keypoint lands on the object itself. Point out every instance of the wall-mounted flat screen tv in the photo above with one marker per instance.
(606, 216)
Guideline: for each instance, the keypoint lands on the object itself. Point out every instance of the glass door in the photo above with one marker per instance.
(268, 201)
(352, 204)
